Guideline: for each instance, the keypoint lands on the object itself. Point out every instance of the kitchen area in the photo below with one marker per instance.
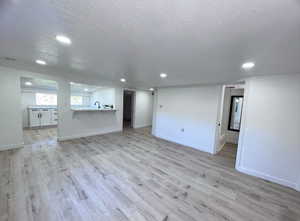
(39, 105)
(85, 98)
(39, 109)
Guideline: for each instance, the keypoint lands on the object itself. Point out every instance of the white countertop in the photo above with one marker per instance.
(42, 107)
(79, 109)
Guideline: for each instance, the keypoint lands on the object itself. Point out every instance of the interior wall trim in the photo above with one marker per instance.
(269, 177)
(141, 126)
(72, 137)
(11, 146)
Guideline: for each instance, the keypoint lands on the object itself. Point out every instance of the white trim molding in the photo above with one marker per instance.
(268, 177)
(171, 139)
(141, 126)
(11, 146)
(72, 137)
(240, 147)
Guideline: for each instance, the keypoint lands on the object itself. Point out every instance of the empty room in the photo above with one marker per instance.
(149, 110)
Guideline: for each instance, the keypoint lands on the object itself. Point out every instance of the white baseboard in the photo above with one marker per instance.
(176, 141)
(269, 178)
(141, 126)
(11, 146)
(87, 135)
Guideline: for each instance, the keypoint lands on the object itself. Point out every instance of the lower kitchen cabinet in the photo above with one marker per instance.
(39, 117)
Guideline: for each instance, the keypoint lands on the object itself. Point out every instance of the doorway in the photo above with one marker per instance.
(230, 122)
(39, 110)
(128, 108)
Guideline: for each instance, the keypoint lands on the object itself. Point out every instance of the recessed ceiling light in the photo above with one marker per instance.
(151, 89)
(163, 75)
(86, 90)
(123, 80)
(63, 39)
(248, 65)
(41, 62)
(28, 83)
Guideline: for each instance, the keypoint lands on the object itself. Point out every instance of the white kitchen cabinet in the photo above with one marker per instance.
(39, 117)
(54, 117)
(34, 118)
(45, 117)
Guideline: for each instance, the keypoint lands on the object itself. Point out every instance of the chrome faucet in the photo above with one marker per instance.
(98, 103)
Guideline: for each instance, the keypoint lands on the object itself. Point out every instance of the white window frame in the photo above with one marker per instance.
(41, 103)
(76, 96)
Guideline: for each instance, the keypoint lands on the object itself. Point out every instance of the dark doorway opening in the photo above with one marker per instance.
(128, 100)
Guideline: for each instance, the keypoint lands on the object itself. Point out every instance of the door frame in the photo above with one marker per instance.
(57, 92)
(220, 117)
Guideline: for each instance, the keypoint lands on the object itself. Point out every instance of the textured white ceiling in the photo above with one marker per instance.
(195, 42)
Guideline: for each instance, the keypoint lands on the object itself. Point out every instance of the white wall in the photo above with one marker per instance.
(105, 96)
(269, 145)
(11, 135)
(28, 99)
(80, 124)
(86, 98)
(143, 109)
(192, 109)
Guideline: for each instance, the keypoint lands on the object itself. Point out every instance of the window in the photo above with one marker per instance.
(45, 99)
(76, 100)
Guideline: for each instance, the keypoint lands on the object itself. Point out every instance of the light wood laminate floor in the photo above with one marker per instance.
(132, 176)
